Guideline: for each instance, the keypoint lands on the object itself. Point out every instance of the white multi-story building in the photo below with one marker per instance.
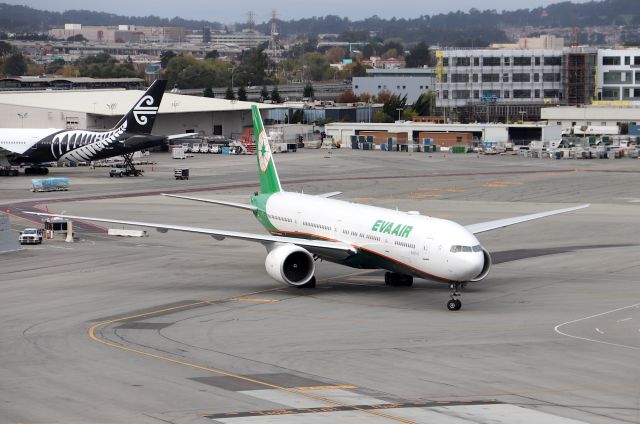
(520, 76)
(246, 39)
(618, 75)
(411, 82)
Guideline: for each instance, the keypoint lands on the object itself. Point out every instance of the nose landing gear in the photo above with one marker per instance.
(454, 304)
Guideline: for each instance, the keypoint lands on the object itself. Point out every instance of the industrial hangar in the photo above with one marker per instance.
(101, 109)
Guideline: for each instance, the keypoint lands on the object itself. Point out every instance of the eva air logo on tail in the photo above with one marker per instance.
(264, 151)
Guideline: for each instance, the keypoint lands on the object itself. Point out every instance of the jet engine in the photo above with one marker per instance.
(290, 264)
(486, 267)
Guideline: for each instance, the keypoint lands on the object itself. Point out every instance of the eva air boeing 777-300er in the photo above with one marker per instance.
(306, 227)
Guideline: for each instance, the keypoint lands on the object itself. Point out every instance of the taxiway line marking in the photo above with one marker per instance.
(325, 387)
(92, 335)
(557, 328)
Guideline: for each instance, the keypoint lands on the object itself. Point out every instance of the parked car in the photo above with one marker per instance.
(30, 236)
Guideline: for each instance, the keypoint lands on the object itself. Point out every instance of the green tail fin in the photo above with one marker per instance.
(269, 181)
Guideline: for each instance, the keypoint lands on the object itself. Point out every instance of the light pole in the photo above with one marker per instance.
(22, 116)
(112, 107)
(233, 69)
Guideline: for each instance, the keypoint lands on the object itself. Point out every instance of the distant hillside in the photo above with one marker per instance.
(443, 28)
(26, 19)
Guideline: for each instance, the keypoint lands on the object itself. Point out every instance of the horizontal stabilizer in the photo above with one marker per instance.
(500, 223)
(215, 202)
(178, 136)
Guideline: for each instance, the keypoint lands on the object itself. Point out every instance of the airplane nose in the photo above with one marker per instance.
(474, 264)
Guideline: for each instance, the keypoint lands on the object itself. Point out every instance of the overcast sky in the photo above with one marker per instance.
(228, 11)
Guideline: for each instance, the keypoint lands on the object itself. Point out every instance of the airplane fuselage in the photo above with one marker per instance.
(35, 146)
(405, 243)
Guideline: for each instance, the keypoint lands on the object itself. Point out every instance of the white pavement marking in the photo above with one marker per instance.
(599, 330)
(557, 327)
(462, 414)
(502, 413)
(342, 417)
(286, 398)
(625, 319)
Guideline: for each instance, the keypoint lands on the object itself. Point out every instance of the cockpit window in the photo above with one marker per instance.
(466, 249)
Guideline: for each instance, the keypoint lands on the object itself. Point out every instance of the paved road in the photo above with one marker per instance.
(176, 328)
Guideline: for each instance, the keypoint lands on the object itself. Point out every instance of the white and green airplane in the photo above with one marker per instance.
(304, 228)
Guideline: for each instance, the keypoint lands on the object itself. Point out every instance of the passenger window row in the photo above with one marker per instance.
(279, 218)
(314, 225)
(403, 244)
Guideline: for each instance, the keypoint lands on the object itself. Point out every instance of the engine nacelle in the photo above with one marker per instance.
(486, 267)
(290, 264)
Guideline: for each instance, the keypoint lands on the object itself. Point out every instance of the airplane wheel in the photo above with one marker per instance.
(309, 285)
(454, 305)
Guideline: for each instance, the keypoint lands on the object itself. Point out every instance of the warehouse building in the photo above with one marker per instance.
(101, 109)
(68, 83)
(411, 82)
(519, 134)
(569, 117)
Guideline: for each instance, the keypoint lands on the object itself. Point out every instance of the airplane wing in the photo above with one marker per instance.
(215, 202)
(336, 250)
(327, 195)
(500, 223)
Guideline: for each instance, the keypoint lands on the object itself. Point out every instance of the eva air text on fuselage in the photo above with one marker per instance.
(394, 229)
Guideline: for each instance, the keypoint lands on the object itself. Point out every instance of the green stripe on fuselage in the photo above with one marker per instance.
(260, 202)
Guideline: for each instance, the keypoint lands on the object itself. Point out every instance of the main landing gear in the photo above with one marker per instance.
(397, 280)
(454, 304)
(129, 167)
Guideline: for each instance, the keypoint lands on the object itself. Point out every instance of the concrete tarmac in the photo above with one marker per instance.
(185, 329)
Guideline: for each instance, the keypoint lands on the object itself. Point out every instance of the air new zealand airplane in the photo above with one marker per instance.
(34, 147)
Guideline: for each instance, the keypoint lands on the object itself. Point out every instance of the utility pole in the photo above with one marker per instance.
(274, 50)
(22, 117)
